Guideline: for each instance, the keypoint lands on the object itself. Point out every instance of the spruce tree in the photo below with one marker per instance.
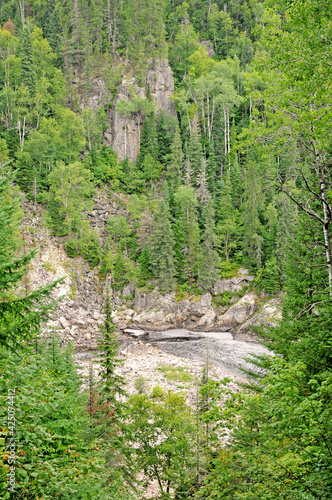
(28, 69)
(192, 249)
(236, 183)
(186, 233)
(253, 239)
(227, 228)
(110, 382)
(209, 261)
(148, 142)
(164, 138)
(188, 173)
(175, 163)
(271, 279)
(162, 249)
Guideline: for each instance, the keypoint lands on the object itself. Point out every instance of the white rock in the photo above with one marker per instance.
(64, 322)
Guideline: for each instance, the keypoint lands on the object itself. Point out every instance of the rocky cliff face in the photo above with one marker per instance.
(154, 311)
(79, 313)
(123, 133)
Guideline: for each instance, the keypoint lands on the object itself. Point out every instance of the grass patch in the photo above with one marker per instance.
(175, 373)
(48, 267)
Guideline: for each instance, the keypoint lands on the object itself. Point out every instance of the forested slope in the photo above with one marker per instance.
(219, 115)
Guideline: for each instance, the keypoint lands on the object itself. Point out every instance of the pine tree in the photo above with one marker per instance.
(28, 69)
(179, 245)
(162, 249)
(51, 26)
(305, 331)
(111, 383)
(208, 266)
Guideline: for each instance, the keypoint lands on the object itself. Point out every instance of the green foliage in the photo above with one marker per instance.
(70, 193)
(110, 382)
(145, 266)
(208, 271)
(238, 176)
(140, 385)
(162, 249)
(28, 72)
(21, 311)
(144, 32)
(106, 168)
(281, 438)
(52, 458)
(168, 460)
(223, 299)
(87, 246)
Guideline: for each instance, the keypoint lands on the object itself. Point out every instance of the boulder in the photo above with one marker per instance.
(269, 314)
(232, 285)
(64, 323)
(136, 334)
(128, 289)
(238, 313)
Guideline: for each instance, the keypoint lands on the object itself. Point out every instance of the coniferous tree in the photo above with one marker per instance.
(252, 239)
(192, 249)
(175, 162)
(227, 227)
(186, 233)
(164, 138)
(271, 279)
(208, 266)
(111, 383)
(51, 26)
(162, 249)
(188, 173)
(236, 182)
(203, 193)
(28, 69)
(194, 151)
(148, 142)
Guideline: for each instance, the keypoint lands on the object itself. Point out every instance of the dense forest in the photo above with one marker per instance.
(239, 174)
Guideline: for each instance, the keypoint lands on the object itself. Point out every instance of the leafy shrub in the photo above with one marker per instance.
(141, 385)
(157, 392)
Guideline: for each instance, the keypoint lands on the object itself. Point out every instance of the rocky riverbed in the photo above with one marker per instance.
(220, 349)
(143, 352)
